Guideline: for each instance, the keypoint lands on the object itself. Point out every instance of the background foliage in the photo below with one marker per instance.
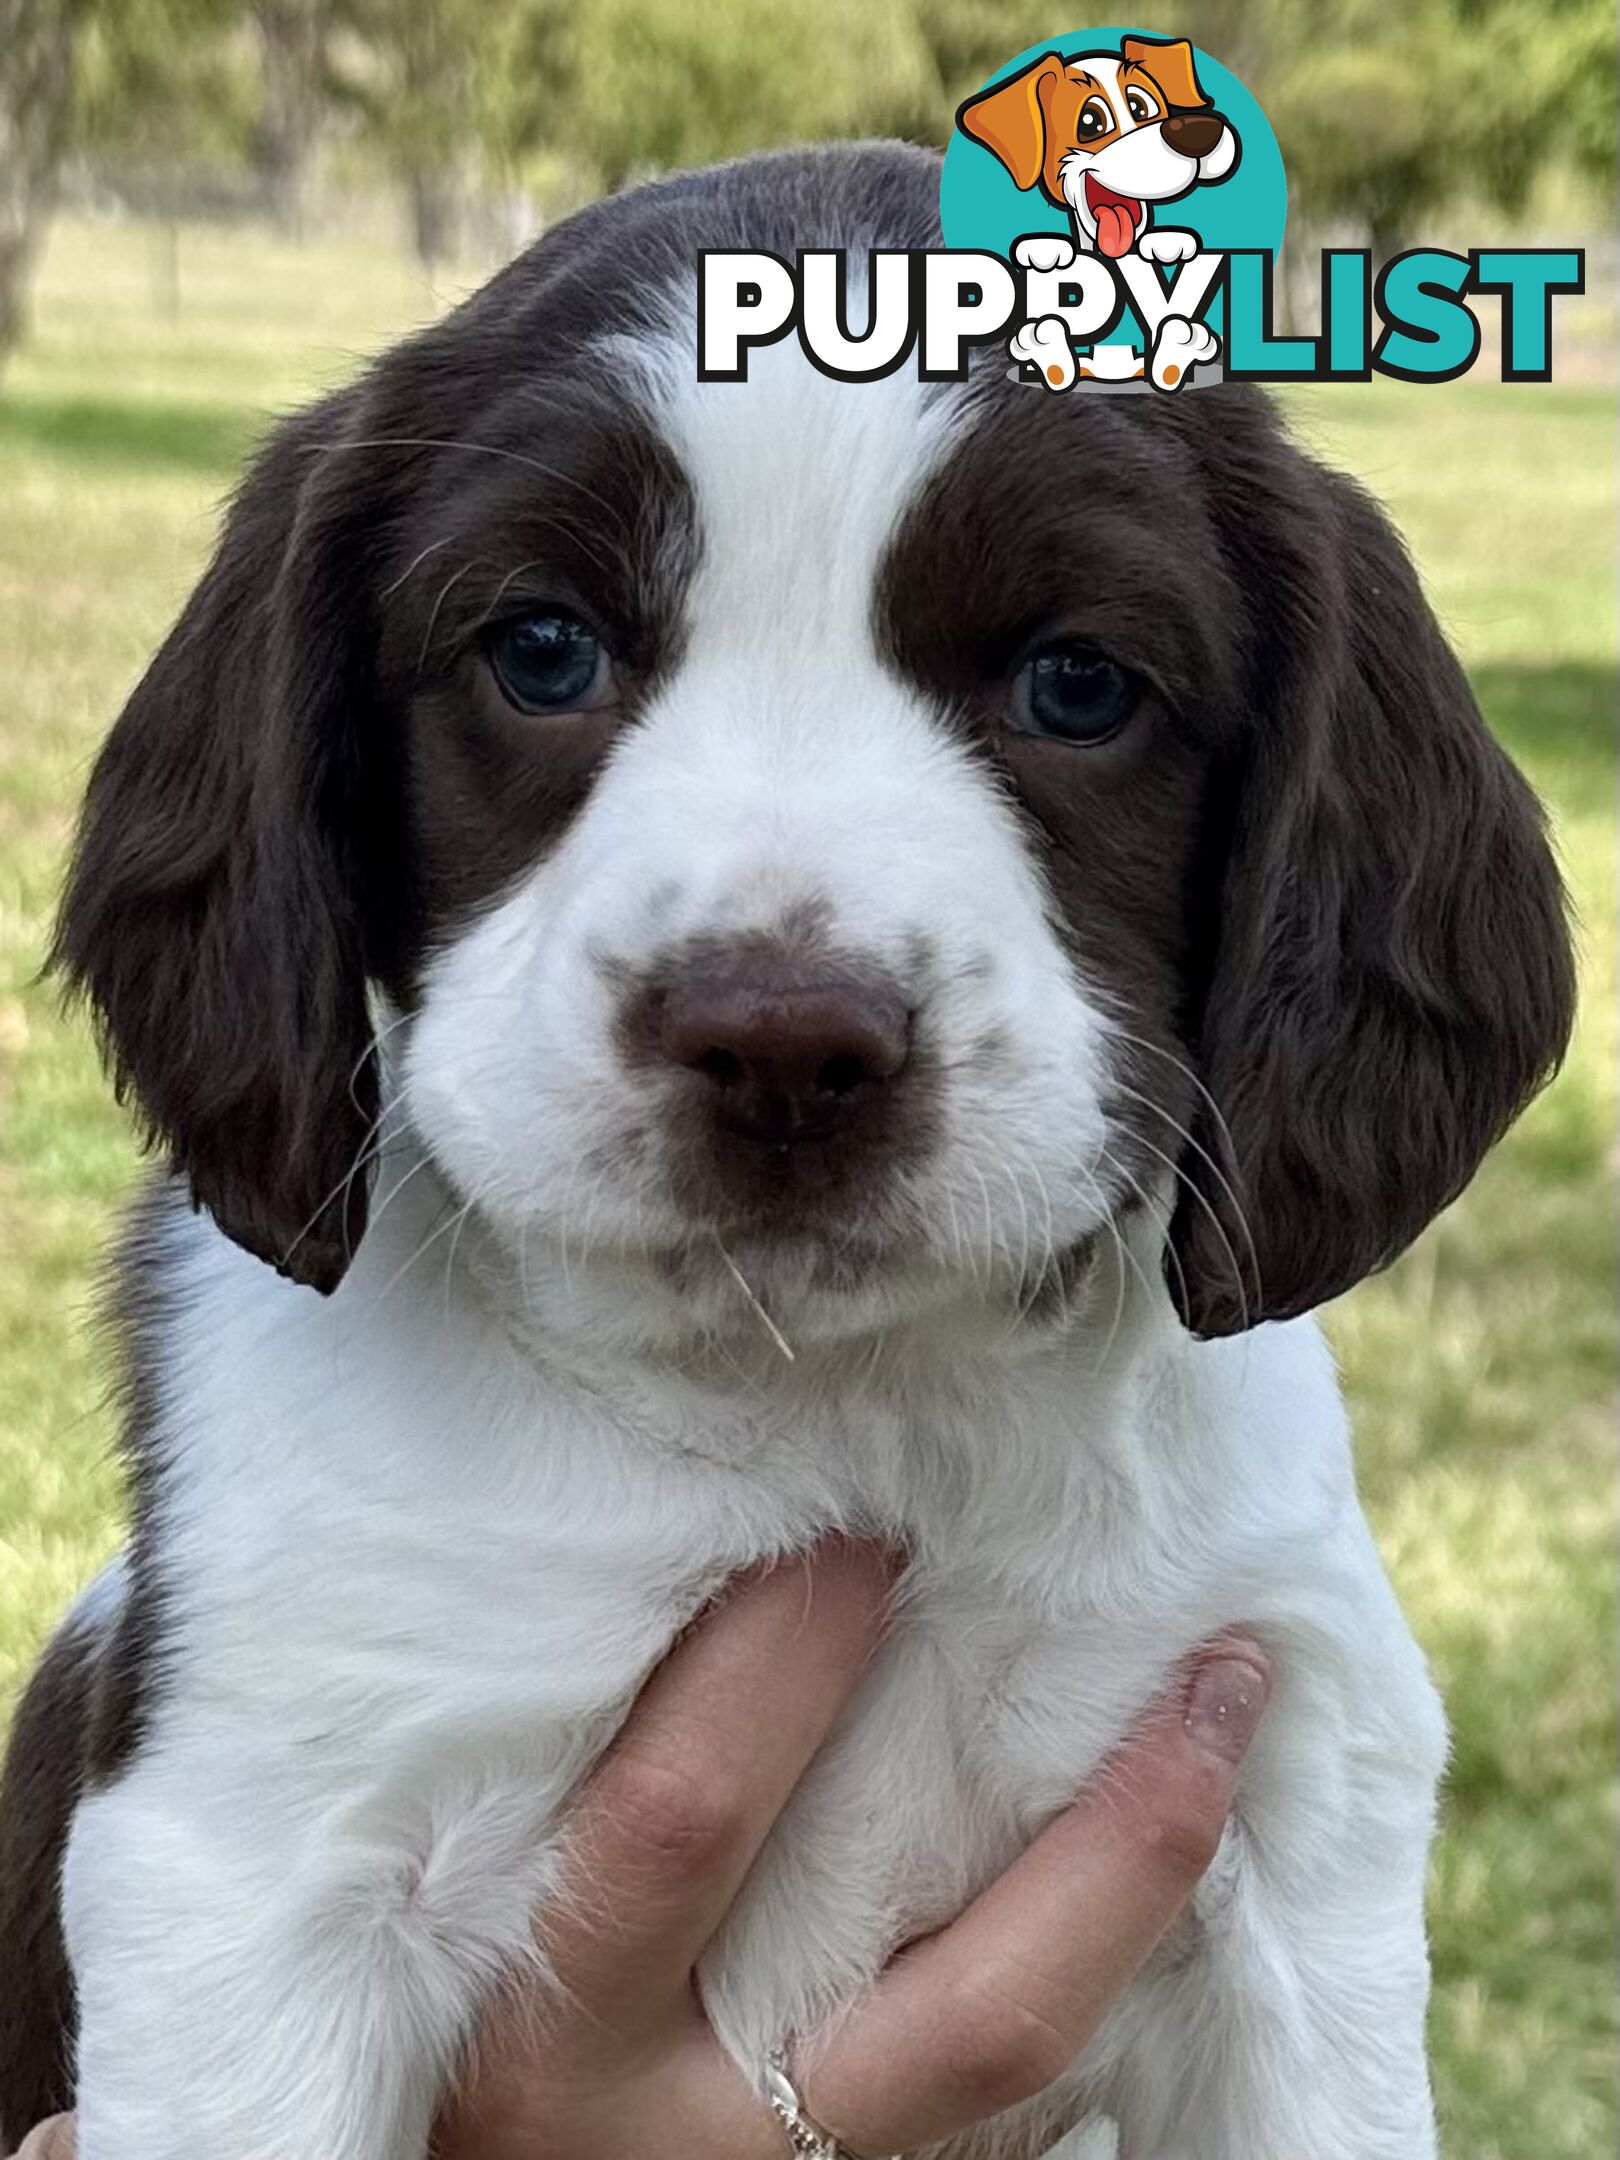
(1385, 114)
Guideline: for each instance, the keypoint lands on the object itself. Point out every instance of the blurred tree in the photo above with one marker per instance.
(1384, 119)
(293, 37)
(661, 83)
(969, 39)
(419, 72)
(165, 87)
(166, 92)
(39, 42)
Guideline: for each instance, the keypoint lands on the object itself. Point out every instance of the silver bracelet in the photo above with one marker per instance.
(806, 2138)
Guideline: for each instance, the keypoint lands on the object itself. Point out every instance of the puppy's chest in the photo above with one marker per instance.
(427, 1653)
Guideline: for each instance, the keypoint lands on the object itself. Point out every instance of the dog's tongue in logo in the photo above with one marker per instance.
(1117, 217)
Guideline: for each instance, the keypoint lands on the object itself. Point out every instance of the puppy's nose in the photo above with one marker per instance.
(790, 1056)
(1194, 134)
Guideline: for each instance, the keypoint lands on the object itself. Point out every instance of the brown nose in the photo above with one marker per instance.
(1194, 134)
(790, 1056)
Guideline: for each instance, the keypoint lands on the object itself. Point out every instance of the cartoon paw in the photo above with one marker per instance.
(1167, 246)
(1045, 345)
(1043, 251)
(1177, 350)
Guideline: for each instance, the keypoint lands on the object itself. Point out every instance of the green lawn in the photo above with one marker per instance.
(1482, 1368)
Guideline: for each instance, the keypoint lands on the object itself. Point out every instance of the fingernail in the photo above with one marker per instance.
(1226, 1701)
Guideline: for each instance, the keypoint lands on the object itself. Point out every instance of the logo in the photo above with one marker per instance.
(1113, 205)
(1094, 166)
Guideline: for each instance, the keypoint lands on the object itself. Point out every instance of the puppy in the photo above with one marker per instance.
(615, 878)
(1106, 136)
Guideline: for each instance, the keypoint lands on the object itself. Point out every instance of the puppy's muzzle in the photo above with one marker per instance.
(787, 1054)
(1194, 134)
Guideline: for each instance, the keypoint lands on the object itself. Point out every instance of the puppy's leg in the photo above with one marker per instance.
(1271, 2046)
(1165, 244)
(1178, 347)
(1045, 346)
(1284, 2019)
(265, 1992)
(1043, 252)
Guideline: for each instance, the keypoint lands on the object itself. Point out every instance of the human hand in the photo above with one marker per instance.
(616, 2061)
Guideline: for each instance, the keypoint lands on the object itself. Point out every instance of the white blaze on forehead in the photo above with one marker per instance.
(800, 481)
(785, 760)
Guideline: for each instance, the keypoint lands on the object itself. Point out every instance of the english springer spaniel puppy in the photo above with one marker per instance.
(711, 962)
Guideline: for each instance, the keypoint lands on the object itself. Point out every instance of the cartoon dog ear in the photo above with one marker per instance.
(212, 917)
(1170, 62)
(1010, 119)
(1392, 978)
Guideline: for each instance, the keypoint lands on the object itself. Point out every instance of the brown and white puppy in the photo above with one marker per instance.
(1107, 136)
(615, 879)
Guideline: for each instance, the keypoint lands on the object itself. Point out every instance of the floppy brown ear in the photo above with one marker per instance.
(1170, 62)
(211, 916)
(1010, 119)
(1392, 979)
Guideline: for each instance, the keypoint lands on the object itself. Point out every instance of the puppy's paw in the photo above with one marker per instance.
(1043, 251)
(1177, 350)
(1168, 246)
(1045, 345)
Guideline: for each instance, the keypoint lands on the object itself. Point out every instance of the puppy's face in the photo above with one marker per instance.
(1107, 134)
(857, 839)
(806, 843)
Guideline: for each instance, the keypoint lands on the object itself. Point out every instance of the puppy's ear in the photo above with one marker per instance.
(1170, 62)
(1392, 978)
(1010, 119)
(212, 916)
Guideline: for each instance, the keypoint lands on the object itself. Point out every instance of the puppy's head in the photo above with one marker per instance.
(866, 837)
(1106, 135)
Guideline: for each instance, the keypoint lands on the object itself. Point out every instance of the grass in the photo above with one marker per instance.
(1482, 1368)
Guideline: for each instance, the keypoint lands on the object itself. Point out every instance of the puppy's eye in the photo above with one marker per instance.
(1071, 692)
(548, 661)
(1140, 106)
(1095, 119)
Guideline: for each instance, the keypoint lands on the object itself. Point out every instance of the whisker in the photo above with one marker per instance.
(1163, 1221)
(1141, 1042)
(747, 1289)
(415, 564)
(1202, 1198)
(430, 1240)
(445, 591)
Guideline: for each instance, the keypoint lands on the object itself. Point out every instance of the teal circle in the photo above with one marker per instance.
(980, 207)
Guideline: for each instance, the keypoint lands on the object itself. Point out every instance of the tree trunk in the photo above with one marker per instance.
(292, 38)
(1386, 240)
(38, 41)
(435, 217)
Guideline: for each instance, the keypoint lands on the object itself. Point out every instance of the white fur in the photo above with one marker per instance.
(1139, 161)
(1045, 345)
(1181, 345)
(423, 1540)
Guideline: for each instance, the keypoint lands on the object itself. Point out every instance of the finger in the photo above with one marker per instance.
(678, 1808)
(992, 2010)
(53, 2140)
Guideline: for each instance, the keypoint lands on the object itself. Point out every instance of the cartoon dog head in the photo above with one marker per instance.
(1106, 135)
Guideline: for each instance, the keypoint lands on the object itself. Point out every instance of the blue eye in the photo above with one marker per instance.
(548, 661)
(1069, 691)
